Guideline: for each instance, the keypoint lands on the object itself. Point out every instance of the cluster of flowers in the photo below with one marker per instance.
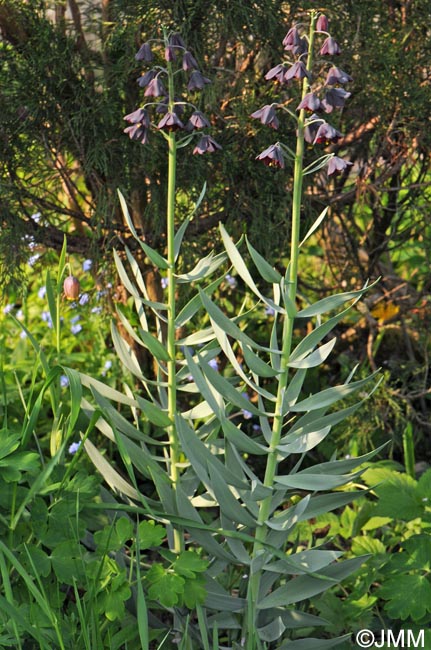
(317, 130)
(168, 106)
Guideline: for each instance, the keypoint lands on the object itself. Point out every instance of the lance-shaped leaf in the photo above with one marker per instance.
(190, 309)
(293, 389)
(182, 229)
(229, 504)
(125, 354)
(227, 349)
(225, 388)
(316, 358)
(111, 476)
(202, 537)
(211, 395)
(154, 256)
(333, 302)
(304, 442)
(236, 546)
(304, 562)
(242, 270)
(315, 225)
(315, 482)
(130, 287)
(265, 269)
(308, 343)
(240, 440)
(228, 325)
(206, 266)
(331, 395)
(256, 364)
(343, 465)
(304, 587)
(155, 346)
(315, 644)
(201, 457)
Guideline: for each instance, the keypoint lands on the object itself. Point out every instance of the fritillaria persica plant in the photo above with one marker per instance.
(232, 494)
(168, 88)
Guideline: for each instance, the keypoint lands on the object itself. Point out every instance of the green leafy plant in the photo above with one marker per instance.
(231, 500)
(392, 524)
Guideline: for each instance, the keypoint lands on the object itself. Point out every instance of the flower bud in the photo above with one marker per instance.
(71, 287)
(322, 23)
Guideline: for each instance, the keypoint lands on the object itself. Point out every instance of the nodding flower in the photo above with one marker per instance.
(267, 115)
(71, 287)
(272, 156)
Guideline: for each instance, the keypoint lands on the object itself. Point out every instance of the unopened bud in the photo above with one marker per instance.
(71, 287)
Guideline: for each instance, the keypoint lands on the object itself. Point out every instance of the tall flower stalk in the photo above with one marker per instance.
(176, 134)
(303, 46)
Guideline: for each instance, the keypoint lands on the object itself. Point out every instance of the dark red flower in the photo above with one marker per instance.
(337, 76)
(189, 62)
(336, 165)
(311, 103)
(176, 41)
(206, 145)
(197, 81)
(334, 98)
(155, 88)
(330, 46)
(170, 122)
(326, 134)
(145, 79)
(138, 116)
(170, 53)
(296, 71)
(267, 116)
(276, 73)
(144, 53)
(311, 127)
(293, 42)
(137, 132)
(198, 120)
(272, 156)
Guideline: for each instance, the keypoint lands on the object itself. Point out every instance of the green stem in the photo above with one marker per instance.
(174, 449)
(272, 458)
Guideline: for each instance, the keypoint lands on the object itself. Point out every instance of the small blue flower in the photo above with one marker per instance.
(42, 292)
(87, 264)
(164, 282)
(33, 259)
(107, 366)
(75, 329)
(269, 311)
(96, 310)
(247, 415)
(213, 363)
(64, 381)
(84, 299)
(231, 281)
(8, 309)
(75, 319)
(23, 335)
(19, 314)
(46, 317)
(256, 427)
(36, 217)
(74, 447)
